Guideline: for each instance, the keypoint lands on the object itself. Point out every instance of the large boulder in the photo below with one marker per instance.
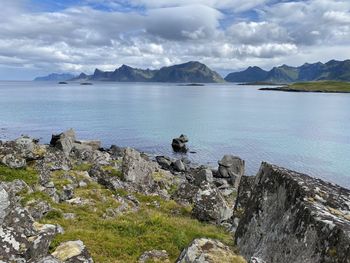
(179, 144)
(136, 169)
(64, 141)
(291, 217)
(231, 167)
(205, 250)
(72, 252)
(21, 238)
(243, 194)
(211, 206)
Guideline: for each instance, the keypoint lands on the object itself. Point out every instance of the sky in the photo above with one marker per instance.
(38, 37)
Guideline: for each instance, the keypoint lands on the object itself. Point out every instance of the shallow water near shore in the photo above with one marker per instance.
(307, 132)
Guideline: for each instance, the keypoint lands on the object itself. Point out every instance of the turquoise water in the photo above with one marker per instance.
(307, 132)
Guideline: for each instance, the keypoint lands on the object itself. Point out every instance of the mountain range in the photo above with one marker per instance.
(196, 72)
(189, 72)
(332, 70)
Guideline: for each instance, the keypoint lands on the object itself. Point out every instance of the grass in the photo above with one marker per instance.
(158, 224)
(326, 86)
(28, 175)
(123, 239)
(318, 86)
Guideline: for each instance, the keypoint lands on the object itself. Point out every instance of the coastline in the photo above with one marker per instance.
(70, 190)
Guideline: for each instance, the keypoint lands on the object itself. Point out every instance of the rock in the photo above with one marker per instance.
(164, 162)
(256, 260)
(104, 178)
(154, 256)
(48, 259)
(186, 193)
(243, 194)
(179, 144)
(231, 167)
(69, 215)
(291, 217)
(179, 166)
(116, 151)
(92, 144)
(136, 169)
(205, 250)
(64, 141)
(211, 206)
(21, 239)
(66, 193)
(203, 175)
(13, 161)
(41, 242)
(72, 252)
(38, 208)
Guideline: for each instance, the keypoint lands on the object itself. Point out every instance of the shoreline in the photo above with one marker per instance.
(70, 190)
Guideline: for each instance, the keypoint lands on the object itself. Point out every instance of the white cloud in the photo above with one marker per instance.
(219, 33)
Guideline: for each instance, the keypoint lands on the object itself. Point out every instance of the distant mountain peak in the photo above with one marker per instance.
(332, 70)
(192, 72)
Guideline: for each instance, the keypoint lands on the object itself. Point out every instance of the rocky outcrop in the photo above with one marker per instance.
(231, 167)
(205, 250)
(291, 217)
(21, 238)
(243, 194)
(179, 144)
(64, 141)
(211, 206)
(136, 169)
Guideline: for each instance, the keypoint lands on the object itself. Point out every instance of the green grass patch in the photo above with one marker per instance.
(82, 167)
(126, 237)
(28, 175)
(27, 197)
(317, 86)
(112, 171)
(327, 86)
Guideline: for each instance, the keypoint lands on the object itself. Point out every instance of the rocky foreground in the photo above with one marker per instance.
(73, 201)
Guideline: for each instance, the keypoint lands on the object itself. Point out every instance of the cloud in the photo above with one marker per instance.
(225, 34)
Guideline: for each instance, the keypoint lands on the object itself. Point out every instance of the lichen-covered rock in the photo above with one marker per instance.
(14, 161)
(160, 256)
(231, 167)
(88, 145)
(243, 194)
(185, 193)
(205, 250)
(203, 175)
(64, 141)
(211, 206)
(21, 239)
(136, 169)
(291, 217)
(38, 208)
(40, 243)
(72, 252)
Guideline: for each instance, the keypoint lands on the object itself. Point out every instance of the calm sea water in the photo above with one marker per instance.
(307, 132)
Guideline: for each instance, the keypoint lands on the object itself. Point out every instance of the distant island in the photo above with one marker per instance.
(190, 72)
(332, 70)
(319, 86)
(56, 77)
